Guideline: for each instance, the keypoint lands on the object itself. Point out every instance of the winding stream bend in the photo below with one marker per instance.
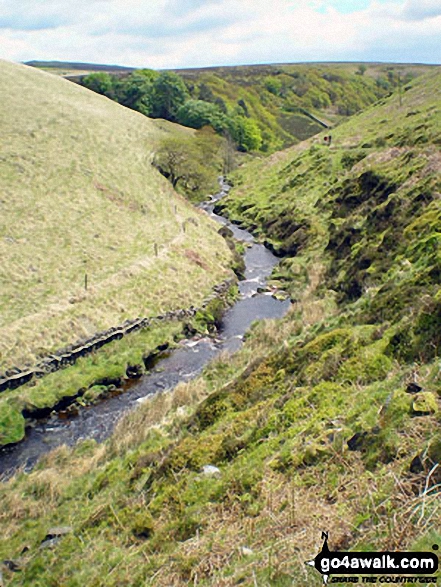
(184, 363)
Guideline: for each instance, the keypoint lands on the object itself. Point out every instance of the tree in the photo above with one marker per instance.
(206, 93)
(243, 108)
(221, 105)
(172, 158)
(101, 83)
(168, 94)
(273, 85)
(191, 163)
(245, 133)
(135, 91)
(197, 113)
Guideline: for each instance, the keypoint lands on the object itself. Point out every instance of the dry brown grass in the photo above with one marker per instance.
(311, 308)
(157, 411)
(284, 534)
(287, 530)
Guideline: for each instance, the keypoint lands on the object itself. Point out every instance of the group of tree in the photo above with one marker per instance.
(323, 88)
(261, 108)
(165, 95)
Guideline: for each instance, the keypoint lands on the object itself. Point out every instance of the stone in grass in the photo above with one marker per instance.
(211, 471)
(417, 465)
(58, 531)
(54, 535)
(246, 551)
(413, 388)
(357, 441)
(425, 404)
(12, 566)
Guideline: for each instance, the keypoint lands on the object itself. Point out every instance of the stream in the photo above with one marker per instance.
(182, 364)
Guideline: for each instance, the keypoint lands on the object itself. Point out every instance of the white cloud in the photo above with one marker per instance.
(46, 14)
(422, 9)
(179, 33)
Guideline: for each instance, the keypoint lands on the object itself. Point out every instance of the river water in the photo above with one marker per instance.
(182, 364)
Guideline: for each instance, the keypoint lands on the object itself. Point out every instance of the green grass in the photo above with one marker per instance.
(80, 197)
(280, 196)
(102, 371)
(142, 513)
(276, 418)
(84, 377)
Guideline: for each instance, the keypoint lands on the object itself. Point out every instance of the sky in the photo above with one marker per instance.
(163, 34)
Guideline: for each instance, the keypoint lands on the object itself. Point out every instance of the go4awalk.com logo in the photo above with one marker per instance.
(374, 564)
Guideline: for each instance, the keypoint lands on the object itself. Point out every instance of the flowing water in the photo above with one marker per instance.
(184, 363)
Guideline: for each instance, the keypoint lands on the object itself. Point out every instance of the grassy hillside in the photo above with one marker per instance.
(391, 149)
(81, 198)
(326, 420)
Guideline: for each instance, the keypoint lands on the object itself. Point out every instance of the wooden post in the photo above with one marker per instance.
(85, 281)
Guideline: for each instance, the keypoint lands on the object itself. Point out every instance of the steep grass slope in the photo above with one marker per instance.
(410, 123)
(326, 420)
(80, 200)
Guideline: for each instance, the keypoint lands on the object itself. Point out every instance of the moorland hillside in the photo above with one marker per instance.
(91, 233)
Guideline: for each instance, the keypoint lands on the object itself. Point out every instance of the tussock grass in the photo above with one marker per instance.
(161, 410)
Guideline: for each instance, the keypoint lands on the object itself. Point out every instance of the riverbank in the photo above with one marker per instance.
(108, 240)
(75, 376)
(113, 378)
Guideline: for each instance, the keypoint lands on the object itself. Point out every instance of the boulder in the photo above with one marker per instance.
(357, 441)
(417, 465)
(211, 471)
(413, 388)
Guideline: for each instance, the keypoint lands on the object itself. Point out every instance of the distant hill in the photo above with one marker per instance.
(409, 120)
(81, 198)
(293, 102)
(287, 103)
(73, 66)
